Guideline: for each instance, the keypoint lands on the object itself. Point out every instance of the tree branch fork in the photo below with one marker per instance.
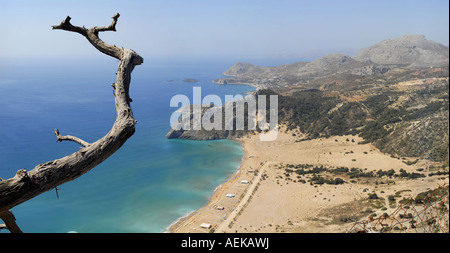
(61, 138)
(46, 176)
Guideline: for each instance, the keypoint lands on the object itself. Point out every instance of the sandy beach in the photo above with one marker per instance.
(266, 200)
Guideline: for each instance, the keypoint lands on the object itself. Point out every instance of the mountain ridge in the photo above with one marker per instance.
(409, 51)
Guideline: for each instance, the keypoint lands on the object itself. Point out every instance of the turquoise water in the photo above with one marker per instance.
(146, 185)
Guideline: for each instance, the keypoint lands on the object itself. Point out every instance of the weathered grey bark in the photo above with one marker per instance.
(46, 176)
(70, 138)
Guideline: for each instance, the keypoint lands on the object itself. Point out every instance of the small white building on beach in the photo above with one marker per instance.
(230, 195)
(205, 225)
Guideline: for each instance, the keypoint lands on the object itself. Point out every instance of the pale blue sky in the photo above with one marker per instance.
(228, 28)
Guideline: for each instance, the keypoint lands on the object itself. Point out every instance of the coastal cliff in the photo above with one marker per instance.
(178, 132)
(203, 135)
(403, 113)
(398, 107)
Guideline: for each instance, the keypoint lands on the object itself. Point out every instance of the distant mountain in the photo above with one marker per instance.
(300, 73)
(327, 65)
(337, 64)
(243, 69)
(410, 50)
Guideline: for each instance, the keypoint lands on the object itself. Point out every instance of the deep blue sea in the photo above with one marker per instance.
(146, 185)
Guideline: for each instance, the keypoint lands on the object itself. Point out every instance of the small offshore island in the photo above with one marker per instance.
(190, 80)
(362, 145)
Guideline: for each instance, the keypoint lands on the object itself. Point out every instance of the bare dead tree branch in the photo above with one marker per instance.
(66, 25)
(111, 27)
(10, 221)
(92, 36)
(61, 138)
(46, 176)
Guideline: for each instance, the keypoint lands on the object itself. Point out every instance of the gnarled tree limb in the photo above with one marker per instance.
(10, 222)
(70, 138)
(111, 27)
(46, 176)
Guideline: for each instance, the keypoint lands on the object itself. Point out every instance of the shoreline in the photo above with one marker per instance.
(271, 202)
(179, 225)
(219, 82)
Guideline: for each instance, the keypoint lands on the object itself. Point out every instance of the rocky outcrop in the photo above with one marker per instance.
(203, 135)
(178, 130)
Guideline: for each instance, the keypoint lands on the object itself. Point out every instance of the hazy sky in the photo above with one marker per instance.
(218, 28)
